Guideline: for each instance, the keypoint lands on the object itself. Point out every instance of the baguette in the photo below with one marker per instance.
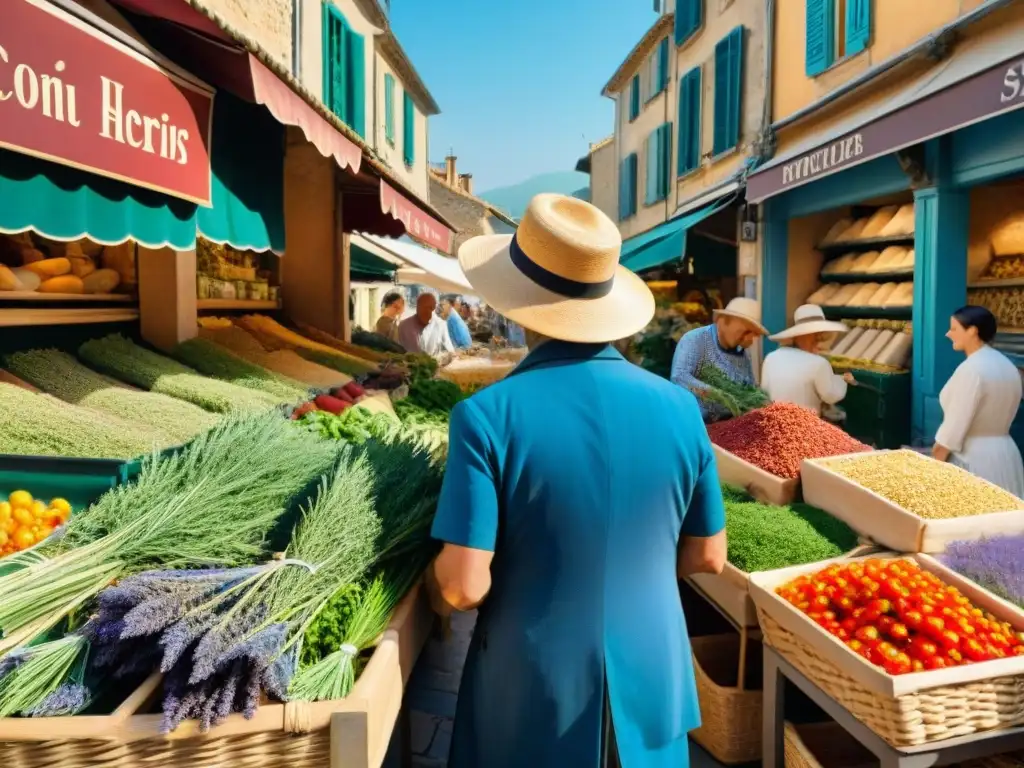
(852, 232)
(841, 265)
(843, 295)
(901, 224)
(882, 295)
(836, 230)
(848, 340)
(864, 262)
(907, 261)
(897, 353)
(856, 351)
(880, 343)
(824, 293)
(903, 296)
(888, 259)
(879, 219)
(863, 295)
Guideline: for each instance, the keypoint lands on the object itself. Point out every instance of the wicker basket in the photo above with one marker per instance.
(824, 745)
(730, 713)
(351, 733)
(906, 710)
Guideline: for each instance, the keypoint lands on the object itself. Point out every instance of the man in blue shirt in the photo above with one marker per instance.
(451, 307)
(724, 344)
(577, 491)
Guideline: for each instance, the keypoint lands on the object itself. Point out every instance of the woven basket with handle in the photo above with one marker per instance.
(730, 711)
(350, 733)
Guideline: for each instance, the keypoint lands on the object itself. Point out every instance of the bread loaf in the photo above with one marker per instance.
(908, 261)
(50, 267)
(29, 280)
(880, 343)
(843, 295)
(823, 293)
(901, 224)
(863, 295)
(879, 219)
(847, 341)
(101, 281)
(9, 281)
(888, 259)
(62, 284)
(856, 351)
(81, 266)
(1008, 235)
(852, 232)
(897, 353)
(903, 296)
(841, 265)
(836, 230)
(863, 263)
(882, 295)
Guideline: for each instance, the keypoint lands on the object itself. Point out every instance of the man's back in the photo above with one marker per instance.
(595, 468)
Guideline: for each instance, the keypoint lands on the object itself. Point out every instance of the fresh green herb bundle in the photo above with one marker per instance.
(435, 395)
(213, 360)
(737, 398)
(354, 425)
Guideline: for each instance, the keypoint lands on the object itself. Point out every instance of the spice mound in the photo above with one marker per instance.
(924, 486)
(997, 564)
(900, 617)
(778, 437)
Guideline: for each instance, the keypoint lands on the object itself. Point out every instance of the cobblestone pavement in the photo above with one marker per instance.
(431, 695)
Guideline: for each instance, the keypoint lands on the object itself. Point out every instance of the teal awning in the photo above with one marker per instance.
(666, 242)
(63, 203)
(367, 266)
(248, 178)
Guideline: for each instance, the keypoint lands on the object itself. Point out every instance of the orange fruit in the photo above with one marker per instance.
(38, 509)
(20, 499)
(61, 505)
(24, 539)
(23, 516)
(4, 538)
(5, 510)
(8, 525)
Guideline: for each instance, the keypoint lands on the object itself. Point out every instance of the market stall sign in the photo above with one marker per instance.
(987, 94)
(418, 224)
(74, 96)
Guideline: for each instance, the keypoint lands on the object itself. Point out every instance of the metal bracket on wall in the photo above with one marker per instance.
(912, 163)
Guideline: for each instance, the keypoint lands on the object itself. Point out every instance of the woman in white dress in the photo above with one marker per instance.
(979, 402)
(798, 373)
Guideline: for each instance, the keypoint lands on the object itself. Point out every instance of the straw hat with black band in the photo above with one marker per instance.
(808, 319)
(742, 308)
(559, 274)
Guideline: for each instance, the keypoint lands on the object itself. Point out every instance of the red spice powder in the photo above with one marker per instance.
(779, 436)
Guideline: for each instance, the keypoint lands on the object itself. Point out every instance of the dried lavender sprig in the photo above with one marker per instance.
(68, 699)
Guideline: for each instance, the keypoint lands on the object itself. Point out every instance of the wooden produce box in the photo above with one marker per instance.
(890, 525)
(353, 732)
(763, 486)
(905, 710)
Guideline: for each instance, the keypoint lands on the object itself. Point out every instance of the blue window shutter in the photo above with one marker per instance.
(728, 91)
(820, 36)
(408, 129)
(634, 168)
(651, 168)
(858, 25)
(634, 98)
(389, 107)
(664, 159)
(662, 65)
(627, 187)
(689, 17)
(688, 144)
(355, 60)
(623, 184)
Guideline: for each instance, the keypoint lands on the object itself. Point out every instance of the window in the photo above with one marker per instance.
(634, 98)
(389, 108)
(627, 187)
(728, 91)
(835, 29)
(344, 85)
(658, 69)
(658, 157)
(690, 96)
(408, 129)
(689, 17)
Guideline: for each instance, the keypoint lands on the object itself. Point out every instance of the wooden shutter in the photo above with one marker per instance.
(664, 159)
(389, 108)
(624, 189)
(408, 129)
(820, 36)
(634, 98)
(662, 65)
(689, 17)
(690, 98)
(634, 171)
(858, 26)
(728, 91)
(355, 60)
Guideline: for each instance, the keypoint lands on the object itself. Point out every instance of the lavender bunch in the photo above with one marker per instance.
(997, 564)
(45, 679)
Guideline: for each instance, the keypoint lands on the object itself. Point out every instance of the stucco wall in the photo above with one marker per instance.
(394, 155)
(268, 22)
(468, 216)
(896, 25)
(720, 18)
(604, 185)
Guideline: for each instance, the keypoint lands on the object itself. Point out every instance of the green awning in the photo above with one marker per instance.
(367, 266)
(666, 242)
(248, 178)
(63, 203)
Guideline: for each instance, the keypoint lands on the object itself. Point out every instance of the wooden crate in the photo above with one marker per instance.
(763, 486)
(905, 710)
(351, 733)
(890, 525)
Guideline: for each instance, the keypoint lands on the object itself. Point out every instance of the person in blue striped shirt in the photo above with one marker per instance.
(451, 311)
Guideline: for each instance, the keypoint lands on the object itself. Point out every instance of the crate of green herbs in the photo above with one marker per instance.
(764, 537)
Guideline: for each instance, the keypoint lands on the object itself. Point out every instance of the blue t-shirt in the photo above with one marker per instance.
(458, 330)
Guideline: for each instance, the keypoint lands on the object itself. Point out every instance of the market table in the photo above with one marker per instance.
(946, 752)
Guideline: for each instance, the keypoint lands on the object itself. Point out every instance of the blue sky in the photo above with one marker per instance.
(518, 81)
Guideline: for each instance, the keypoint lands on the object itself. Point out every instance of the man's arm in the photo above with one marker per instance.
(702, 554)
(459, 579)
(702, 541)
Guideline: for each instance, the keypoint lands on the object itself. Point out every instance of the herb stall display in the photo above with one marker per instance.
(269, 332)
(212, 360)
(915, 652)
(123, 359)
(61, 375)
(995, 563)
(736, 398)
(910, 502)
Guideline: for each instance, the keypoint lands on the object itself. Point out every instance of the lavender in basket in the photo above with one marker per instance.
(996, 563)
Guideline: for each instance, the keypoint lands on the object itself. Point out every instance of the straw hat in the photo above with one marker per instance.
(559, 274)
(808, 318)
(744, 309)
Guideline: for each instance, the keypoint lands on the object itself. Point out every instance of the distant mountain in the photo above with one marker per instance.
(513, 199)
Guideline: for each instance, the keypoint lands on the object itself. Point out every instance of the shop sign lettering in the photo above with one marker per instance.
(830, 156)
(1013, 84)
(72, 95)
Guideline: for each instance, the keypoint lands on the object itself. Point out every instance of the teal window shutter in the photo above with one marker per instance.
(634, 98)
(858, 26)
(820, 43)
(688, 150)
(334, 79)
(389, 108)
(662, 65)
(651, 168)
(408, 129)
(728, 91)
(664, 159)
(627, 187)
(689, 17)
(355, 59)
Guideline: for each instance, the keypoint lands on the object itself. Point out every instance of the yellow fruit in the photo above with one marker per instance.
(38, 509)
(61, 504)
(20, 499)
(4, 538)
(23, 516)
(8, 525)
(5, 511)
(24, 539)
